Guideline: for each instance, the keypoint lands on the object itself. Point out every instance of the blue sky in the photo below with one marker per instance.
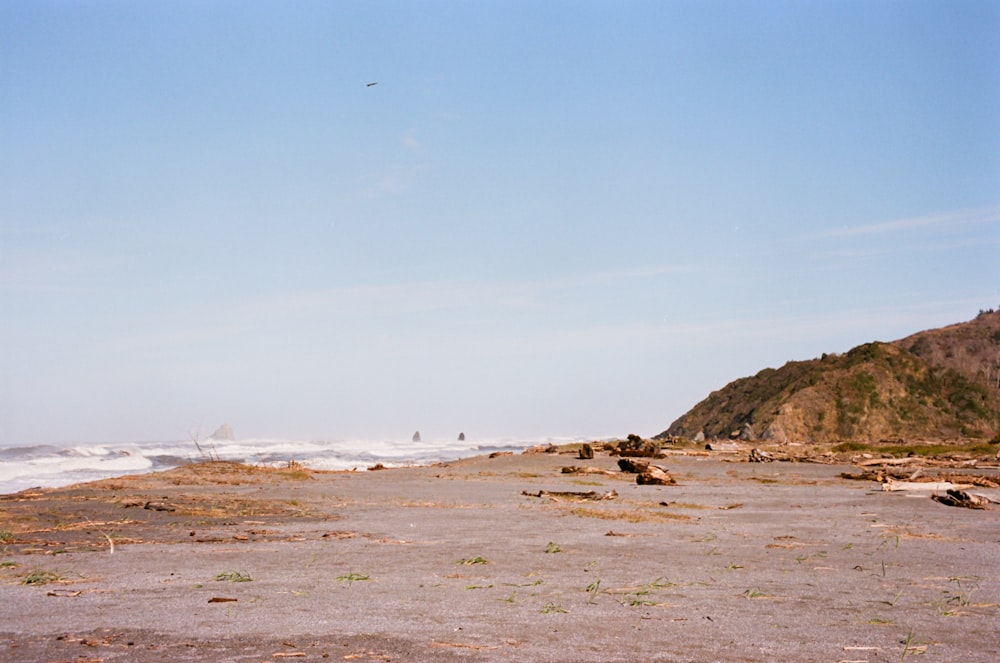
(560, 218)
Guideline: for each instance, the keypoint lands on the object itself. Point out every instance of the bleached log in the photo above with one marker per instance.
(926, 486)
(890, 461)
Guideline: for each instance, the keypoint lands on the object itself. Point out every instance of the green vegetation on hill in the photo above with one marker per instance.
(942, 384)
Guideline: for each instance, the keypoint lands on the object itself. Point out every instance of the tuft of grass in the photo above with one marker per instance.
(910, 646)
(638, 599)
(553, 547)
(7, 565)
(470, 561)
(822, 554)
(594, 589)
(234, 576)
(40, 578)
(754, 594)
(352, 577)
(708, 538)
(6, 536)
(551, 607)
(952, 602)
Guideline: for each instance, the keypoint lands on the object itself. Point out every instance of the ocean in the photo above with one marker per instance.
(51, 466)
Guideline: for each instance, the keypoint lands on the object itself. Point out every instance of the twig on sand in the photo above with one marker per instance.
(105, 535)
(463, 645)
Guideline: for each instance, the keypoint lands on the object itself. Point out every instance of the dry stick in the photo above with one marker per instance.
(104, 534)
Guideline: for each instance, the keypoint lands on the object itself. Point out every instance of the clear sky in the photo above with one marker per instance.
(547, 218)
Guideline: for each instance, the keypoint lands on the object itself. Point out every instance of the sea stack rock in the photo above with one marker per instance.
(461, 437)
(416, 436)
(223, 432)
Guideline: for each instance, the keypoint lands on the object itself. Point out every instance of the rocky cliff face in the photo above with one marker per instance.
(935, 385)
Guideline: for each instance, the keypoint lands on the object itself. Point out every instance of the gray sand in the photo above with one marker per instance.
(740, 562)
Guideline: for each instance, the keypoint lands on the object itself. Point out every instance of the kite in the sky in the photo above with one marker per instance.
(372, 84)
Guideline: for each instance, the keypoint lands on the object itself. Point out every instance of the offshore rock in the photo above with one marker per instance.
(223, 432)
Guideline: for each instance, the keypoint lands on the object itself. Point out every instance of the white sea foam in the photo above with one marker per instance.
(51, 466)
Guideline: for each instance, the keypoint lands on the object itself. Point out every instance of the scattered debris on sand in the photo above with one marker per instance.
(961, 498)
(646, 473)
(576, 469)
(591, 495)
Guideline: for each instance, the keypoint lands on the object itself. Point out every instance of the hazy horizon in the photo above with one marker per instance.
(567, 219)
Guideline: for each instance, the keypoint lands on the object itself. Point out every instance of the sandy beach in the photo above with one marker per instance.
(497, 559)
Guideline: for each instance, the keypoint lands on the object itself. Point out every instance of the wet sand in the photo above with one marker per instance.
(465, 562)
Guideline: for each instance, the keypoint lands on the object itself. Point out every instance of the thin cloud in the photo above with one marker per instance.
(52, 271)
(410, 140)
(863, 324)
(440, 295)
(396, 181)
(948, 220)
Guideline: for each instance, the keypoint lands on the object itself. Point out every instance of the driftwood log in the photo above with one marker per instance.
(890, 461)
(575, 469)
(646, 474)
(930, 486)
(961, 498)
(654, 476)
(591, 495)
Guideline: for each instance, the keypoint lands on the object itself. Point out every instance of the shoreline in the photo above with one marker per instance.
(490, 559)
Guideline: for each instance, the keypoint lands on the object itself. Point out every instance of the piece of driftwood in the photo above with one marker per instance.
(890, 461)
(890, 474)
(961, 498)
(760, 456)
(646, 474)
(974, 479)
(654, 476)
(929, 486)
(638, 448)
(558, 494)
(575, 469)
(632, 466)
